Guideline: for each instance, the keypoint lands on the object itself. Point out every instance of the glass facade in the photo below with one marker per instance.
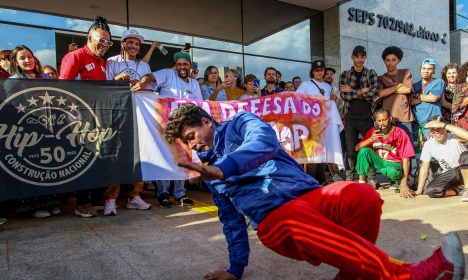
(459, 14)
(288, 50)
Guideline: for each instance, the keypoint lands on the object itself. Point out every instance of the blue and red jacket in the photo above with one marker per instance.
(259, 177)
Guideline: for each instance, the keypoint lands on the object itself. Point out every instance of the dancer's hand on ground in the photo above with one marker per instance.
(406, 192)
(219, 275)
(208, 173)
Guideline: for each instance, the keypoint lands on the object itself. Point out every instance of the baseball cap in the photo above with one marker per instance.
(178, 55)
(318, 64)
(359, 50)
(132, 33)
(429, 61)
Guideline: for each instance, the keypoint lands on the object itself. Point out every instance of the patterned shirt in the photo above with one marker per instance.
(369, 79)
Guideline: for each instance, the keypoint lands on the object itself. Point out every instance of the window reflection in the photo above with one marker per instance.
(292, 43)
(40, 41)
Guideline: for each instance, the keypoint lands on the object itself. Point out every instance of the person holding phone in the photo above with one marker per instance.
(388, 149)
(213, 88)
(251, 86)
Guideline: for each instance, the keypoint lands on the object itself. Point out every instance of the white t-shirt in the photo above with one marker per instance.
(446, 154)
(310, 88)
(136, 69)
(173, 86)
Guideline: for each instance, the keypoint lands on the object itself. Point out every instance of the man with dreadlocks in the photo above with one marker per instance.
(127, 66)
(87, 63)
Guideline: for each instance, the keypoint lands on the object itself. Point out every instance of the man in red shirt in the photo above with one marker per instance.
(87, 63)
(388, 149)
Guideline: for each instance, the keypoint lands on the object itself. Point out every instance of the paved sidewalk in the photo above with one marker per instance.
(182, 243)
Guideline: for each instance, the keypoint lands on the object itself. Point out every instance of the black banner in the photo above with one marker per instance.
(62, 136)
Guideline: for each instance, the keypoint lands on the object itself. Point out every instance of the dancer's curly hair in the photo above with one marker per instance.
(185, 115)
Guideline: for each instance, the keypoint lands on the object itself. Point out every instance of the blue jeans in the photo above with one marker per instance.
(162, 186)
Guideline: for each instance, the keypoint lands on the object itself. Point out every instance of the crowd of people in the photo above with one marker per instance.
(412, 132)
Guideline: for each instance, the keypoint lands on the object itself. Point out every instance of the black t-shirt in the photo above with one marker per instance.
(359, 108)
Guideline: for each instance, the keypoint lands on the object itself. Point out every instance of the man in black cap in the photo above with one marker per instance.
(316, 85)
(359, 88)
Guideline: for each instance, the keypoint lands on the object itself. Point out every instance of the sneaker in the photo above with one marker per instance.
(184, 201)
(464, 195)
(164, 201)
(138, 203)
(85, 211)
(41, 214)
(55, 211)
(446, 263)
(109, 208)
(2, 221)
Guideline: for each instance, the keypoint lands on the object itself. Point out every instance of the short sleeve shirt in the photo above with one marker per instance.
(82, 64)
(398, 104)
(394, 147)
(446, 154)
(425, 110)
(135, 69)
(310, 88)
(173, 86)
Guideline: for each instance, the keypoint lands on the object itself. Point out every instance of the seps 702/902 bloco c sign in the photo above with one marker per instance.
(393, 24)
(52, 136)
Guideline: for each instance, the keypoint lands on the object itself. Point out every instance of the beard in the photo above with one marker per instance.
(387, 129)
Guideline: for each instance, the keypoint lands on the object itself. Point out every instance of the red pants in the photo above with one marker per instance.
(338, 225)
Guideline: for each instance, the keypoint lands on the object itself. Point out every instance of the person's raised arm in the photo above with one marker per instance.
(456, 130)
(150, 51)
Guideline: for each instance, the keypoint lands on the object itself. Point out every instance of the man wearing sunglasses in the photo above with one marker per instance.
(87, 63)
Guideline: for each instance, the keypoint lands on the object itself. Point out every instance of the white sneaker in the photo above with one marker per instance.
(41, 214)
(138, 203)
(109, 208)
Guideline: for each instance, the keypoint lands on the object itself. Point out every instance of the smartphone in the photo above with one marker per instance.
(194, 65)
(256, 83)
(378, 128)
(187, 46)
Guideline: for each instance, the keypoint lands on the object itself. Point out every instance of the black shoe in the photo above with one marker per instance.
(374, 183)
(164, 201)
(184, 201)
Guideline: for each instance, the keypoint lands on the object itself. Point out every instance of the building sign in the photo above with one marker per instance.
(394, 24)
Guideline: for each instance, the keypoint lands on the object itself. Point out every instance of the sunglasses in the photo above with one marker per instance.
(103, 41)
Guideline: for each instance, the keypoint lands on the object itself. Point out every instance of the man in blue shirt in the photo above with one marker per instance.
(250, 174)
(427, 96)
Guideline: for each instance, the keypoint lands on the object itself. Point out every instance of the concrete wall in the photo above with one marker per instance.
(459, 46)
(340, 38)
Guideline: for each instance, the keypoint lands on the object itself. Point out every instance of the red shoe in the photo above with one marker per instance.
(446, 263)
